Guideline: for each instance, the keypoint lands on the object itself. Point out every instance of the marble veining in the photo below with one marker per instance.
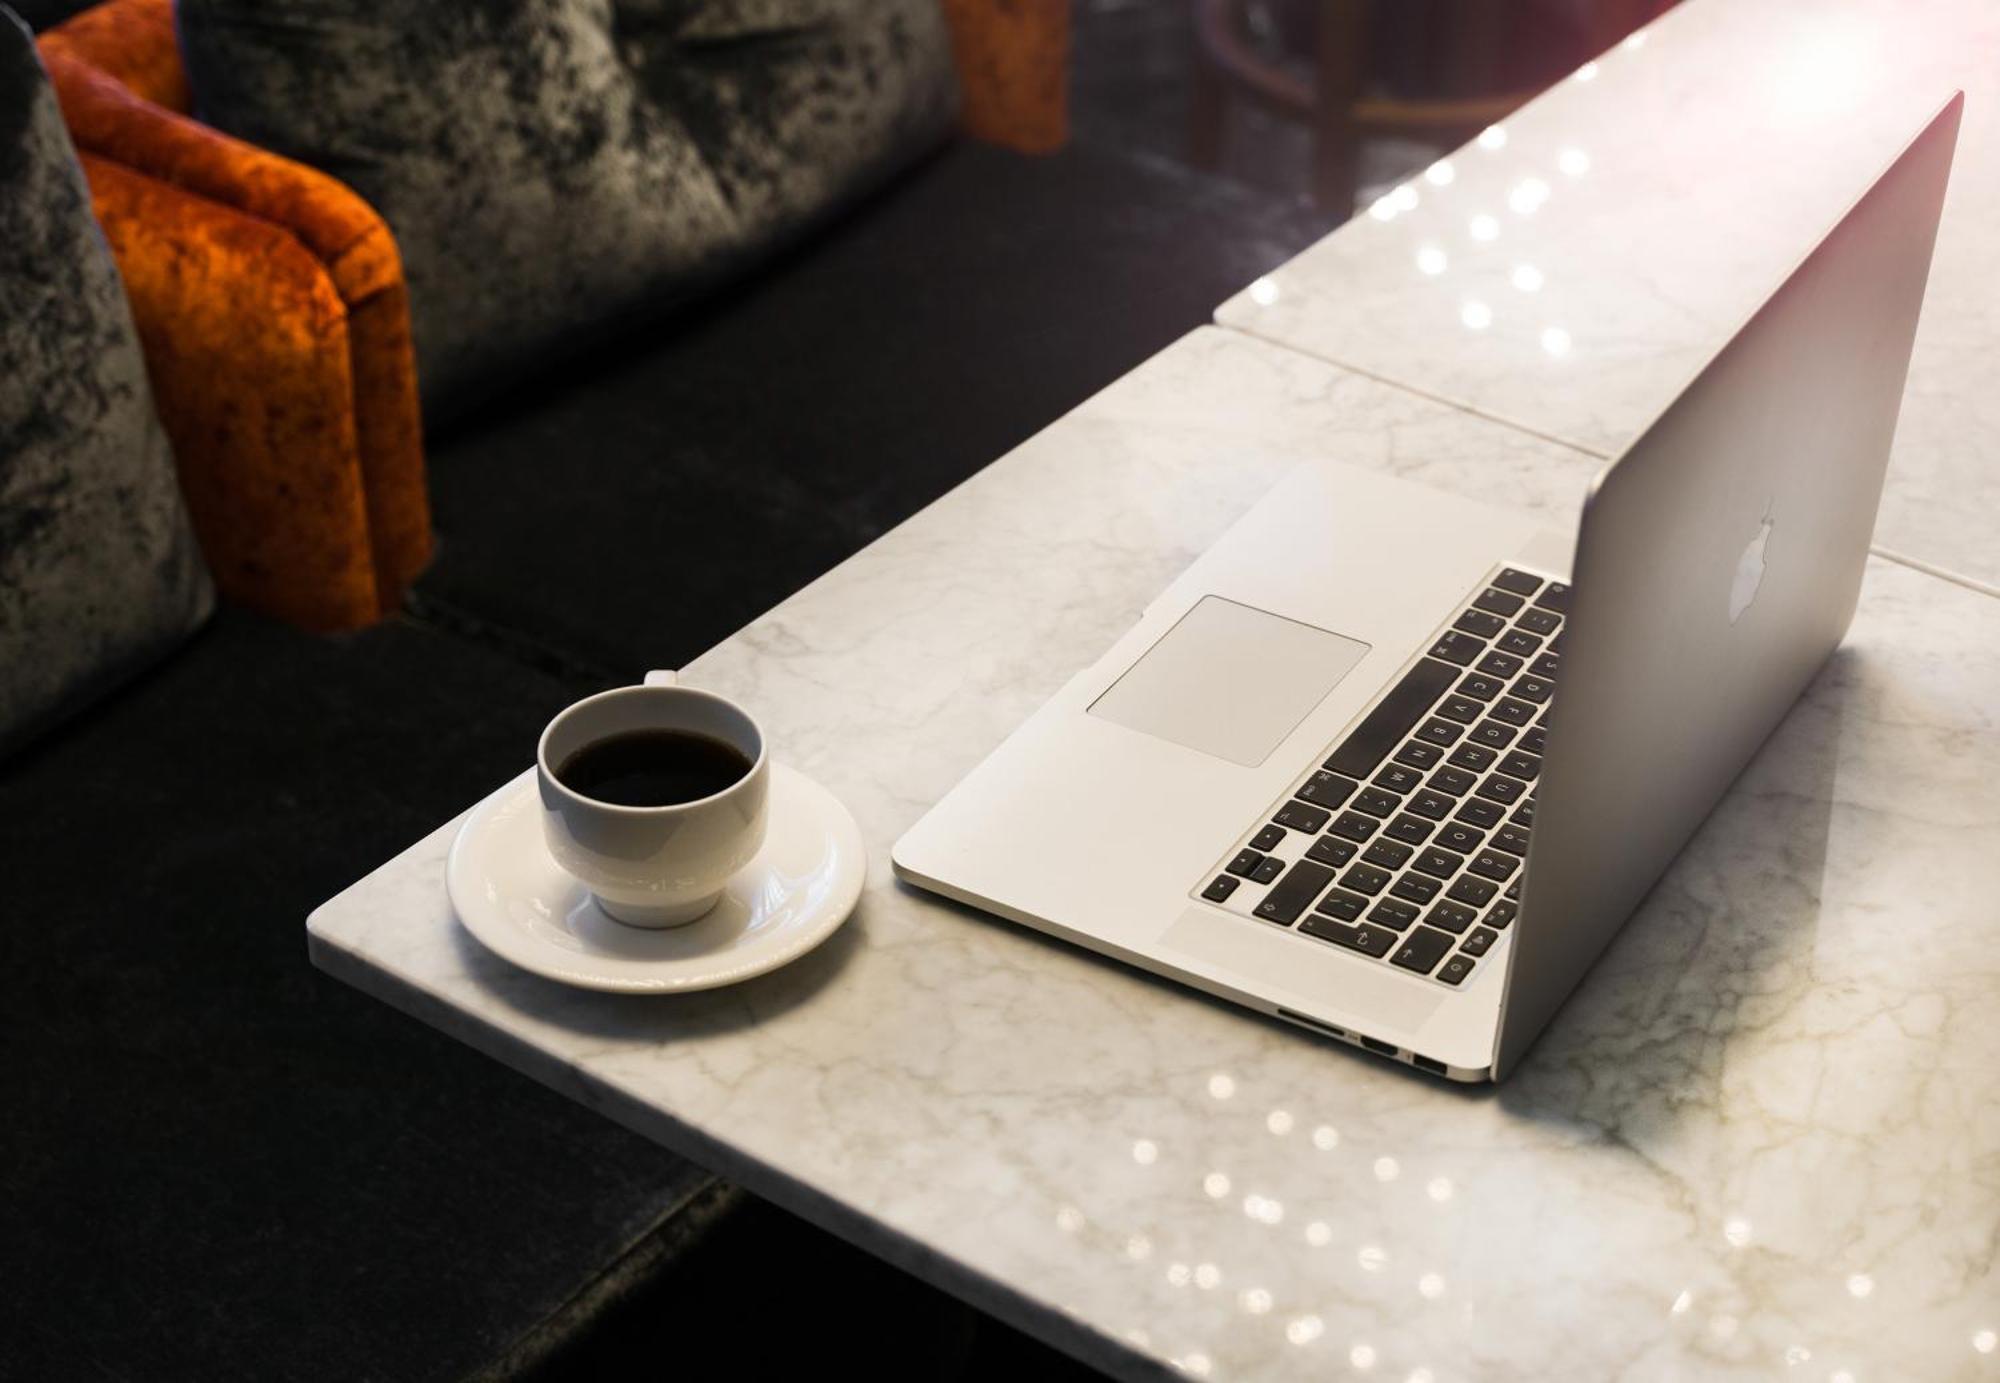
(1763, 1141)
(1570, 270)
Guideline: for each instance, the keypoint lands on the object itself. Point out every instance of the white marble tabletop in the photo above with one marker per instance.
(1569, 271)
(1763, 1141)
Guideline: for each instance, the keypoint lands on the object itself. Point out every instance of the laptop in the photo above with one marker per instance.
(1396, 766)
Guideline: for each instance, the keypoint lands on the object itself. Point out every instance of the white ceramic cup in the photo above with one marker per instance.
(654, 866)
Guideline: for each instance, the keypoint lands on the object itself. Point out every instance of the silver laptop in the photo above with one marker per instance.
(1380, 765)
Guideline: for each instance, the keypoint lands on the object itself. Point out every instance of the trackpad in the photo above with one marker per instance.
(1229, 680)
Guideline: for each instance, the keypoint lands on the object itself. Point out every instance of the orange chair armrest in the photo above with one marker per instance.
(247, 353)
(1013, 70)
(132, 41)
(271, 304)
(107, 118)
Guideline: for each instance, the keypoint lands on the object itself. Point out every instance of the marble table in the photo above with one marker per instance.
(1570, 269)
(1763, 1141)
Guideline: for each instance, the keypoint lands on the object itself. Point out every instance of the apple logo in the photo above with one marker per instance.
(1749, 570)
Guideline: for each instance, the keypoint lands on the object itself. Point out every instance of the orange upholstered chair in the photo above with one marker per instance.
(270, 302)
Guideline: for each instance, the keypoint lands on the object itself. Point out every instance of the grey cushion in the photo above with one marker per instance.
(551, 166)
(99, 572)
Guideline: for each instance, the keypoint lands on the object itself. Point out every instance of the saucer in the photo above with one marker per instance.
(519, 903)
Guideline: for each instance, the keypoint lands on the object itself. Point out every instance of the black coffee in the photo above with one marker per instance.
(653, 768)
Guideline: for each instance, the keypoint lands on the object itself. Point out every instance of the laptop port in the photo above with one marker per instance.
(1431, 1064)
(1308, 1021)
(1376, 1044)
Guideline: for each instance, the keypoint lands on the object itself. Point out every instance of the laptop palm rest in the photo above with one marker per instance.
(1374, 996)
(1229, 680)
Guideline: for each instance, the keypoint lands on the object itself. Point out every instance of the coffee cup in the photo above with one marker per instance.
(653, 796)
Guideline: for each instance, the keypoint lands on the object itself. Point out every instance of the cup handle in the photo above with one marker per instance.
(663, 677)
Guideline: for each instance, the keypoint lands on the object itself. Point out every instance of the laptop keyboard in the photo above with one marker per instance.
(1406, 843)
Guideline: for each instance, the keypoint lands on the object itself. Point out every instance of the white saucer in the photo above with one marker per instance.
(521, 905)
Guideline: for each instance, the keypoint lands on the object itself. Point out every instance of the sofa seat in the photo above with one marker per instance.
(649, 499)
(216, 1162)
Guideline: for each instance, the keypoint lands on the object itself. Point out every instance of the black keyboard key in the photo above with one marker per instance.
(1328, 790)
(1519, 642)
(1439, 864)
(1393, 716)
(1339, 904)
(1330, 850)
(1376, 802)
(1478, 684)
(1367, 939)
(1556, 644)
(1501, 914)
(1496, 602)
(1500, 789)
(1546, 666)
(1474, 758)
(1493, 734)
(1519, 582)
(1452, 917)
(1421, 950)
(1480, 942)
(1354, 826)
(1498, 664)
(1457, 648)
(1434, 805)
(1398, 778)
(1268, 838)
(1512, 839)
(1462, 709)
(1418, 888)
(1412, 830)
(1245, 861)
(1533, 738)
(1531, 688)
(1477, 811)
(1472, 890)
(1302, 883)
(1387, 854)
(1523, 766)
(1456, 836)
(1511, 711)
(1479, 624)
(1342, 904)
(1301, 816)
(1220, 889)
(1268, 868)
(1417, 754)
(1365, 878)
(1455, 970)
(1439, 732)
(1538, 621)
(1455, 781)
(1392, 912)
(1373, 941)
(1513, 894)
(1524, 815)
(1554, 596)
(1494, 864)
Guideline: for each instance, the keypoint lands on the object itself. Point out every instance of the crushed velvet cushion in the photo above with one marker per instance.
(553, 167)
(99, 571)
